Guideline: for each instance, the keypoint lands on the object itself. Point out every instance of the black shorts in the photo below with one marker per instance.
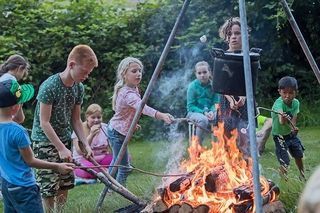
(285, 143)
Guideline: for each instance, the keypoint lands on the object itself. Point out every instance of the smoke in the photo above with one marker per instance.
(170, 96)
(174, 152)
(172, 87)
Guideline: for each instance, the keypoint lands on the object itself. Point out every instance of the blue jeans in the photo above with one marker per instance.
(116, 141)
(21, 199)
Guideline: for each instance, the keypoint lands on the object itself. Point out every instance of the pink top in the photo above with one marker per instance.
(128, 100)
(99, 145)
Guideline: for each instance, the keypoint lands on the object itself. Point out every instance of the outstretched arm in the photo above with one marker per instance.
(28, 157)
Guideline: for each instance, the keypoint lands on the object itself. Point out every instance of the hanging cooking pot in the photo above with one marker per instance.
(228, 71)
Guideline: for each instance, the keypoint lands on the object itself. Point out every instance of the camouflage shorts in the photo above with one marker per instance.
(51, 181)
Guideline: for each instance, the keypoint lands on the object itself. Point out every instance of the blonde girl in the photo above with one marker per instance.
(95, 131)
(125, 101)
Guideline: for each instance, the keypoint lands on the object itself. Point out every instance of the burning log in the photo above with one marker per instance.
(160, 206)
(274, 207)
(185, 208)
(174, 209)
(216, 180)
(243, 207)
(201, 209)
(243, 192)
(181, 184)
(220, 181)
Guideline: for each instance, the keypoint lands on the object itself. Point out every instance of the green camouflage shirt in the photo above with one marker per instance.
(63, 99)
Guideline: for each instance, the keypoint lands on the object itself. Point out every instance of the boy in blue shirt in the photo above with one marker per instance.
(284, 131)
(19, 188)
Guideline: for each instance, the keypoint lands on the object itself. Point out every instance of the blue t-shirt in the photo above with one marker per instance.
(12, 166)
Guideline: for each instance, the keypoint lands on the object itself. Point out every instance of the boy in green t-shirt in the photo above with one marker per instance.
(58, 113)
(285, 134)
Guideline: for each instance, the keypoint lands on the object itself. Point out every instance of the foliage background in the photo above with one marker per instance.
(44, 31)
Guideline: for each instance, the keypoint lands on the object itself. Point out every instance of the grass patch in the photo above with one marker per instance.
(154, 156)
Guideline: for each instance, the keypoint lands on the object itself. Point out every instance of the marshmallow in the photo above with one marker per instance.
(203, 39)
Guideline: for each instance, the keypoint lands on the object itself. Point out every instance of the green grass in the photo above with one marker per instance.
(153, 156)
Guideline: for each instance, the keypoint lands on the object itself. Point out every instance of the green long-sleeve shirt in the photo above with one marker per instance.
(201, 96)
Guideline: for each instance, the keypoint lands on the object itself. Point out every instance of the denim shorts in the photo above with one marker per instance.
(21, 198)
(287, 143)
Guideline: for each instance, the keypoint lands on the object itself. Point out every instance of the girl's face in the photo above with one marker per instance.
(133, 75)
(93, 119)
(20, 73)
(287, 95)
(234, 38)
(203, 74)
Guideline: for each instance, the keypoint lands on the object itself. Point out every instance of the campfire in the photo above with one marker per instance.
(216, 180)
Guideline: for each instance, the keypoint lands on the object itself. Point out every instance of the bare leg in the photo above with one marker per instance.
(48, 203)
(61, 200)
(299, 164)
(283, 170)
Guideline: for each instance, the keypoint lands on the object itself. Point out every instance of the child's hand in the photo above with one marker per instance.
(65, 154)
(138, 127)
(241, 101)
(233, 105)
(88, 152)
(210, 115)
(95, 129)
(65, 168)
(285, 115)
(166, 117)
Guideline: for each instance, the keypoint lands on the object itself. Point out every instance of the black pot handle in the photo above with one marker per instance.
(217, 52)
(255, 50)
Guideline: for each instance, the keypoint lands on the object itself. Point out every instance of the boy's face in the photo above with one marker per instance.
(287, 95)
(234, 38)
(203, 74)
(80, 72)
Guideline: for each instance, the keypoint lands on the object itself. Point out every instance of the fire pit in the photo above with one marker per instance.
(216, 180)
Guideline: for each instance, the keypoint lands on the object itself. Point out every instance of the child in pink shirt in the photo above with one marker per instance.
(95, 131)
(126, 99)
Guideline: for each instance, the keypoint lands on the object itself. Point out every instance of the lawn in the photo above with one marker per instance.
(154, 156)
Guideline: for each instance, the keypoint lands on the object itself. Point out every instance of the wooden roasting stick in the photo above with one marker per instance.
(279, 113)
(107, 179)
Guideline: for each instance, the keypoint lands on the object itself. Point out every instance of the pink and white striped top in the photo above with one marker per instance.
(127, 102)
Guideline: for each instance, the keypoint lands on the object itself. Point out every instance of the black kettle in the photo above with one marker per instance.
(228, 71)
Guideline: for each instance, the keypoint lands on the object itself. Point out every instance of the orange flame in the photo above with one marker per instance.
(226, 164)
